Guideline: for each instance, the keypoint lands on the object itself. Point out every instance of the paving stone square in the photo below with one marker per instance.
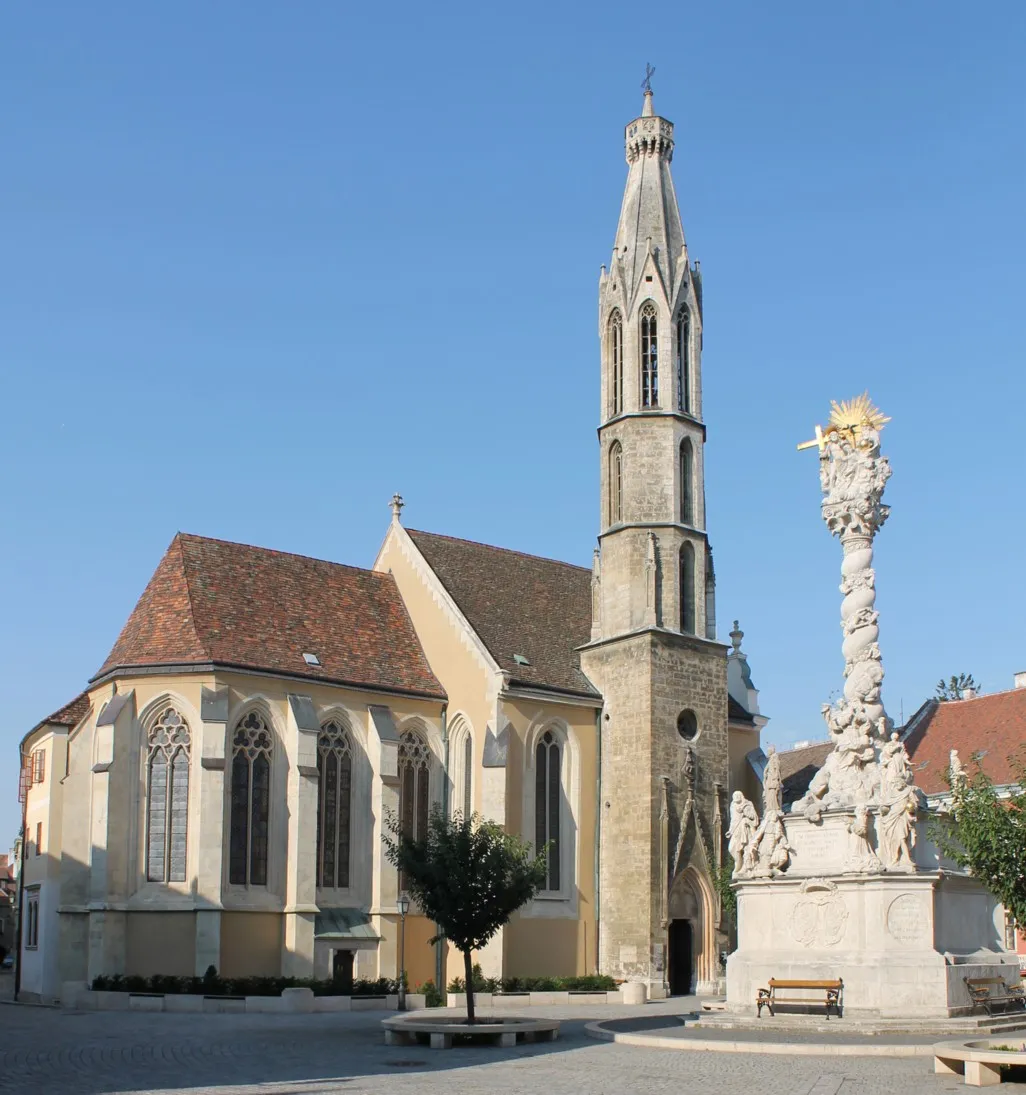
(46, 1050)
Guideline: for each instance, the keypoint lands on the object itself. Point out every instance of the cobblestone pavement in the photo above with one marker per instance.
(47, 1050)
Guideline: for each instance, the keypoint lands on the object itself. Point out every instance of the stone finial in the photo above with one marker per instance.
(735, 638)
(397, 504)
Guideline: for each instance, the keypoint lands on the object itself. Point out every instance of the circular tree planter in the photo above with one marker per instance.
(443, 1032)
(980, 1061)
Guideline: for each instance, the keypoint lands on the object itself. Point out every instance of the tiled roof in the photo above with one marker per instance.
(993, 727)
(518, 604)
(798, 766)
(214, 602)
(71, 714)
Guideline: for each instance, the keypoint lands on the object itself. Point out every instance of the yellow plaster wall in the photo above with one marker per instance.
(739, 744)
(251, 944)
(536, 947)
(160, 942)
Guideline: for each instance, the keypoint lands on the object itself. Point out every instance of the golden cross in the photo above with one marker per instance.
(819, 439)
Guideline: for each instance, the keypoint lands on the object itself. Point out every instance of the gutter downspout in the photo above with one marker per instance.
(440, 945)
(598, 827)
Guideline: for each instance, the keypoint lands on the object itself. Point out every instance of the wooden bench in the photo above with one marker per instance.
(770, 997)
(994, 992)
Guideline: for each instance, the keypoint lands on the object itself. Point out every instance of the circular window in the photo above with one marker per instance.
(687, 725)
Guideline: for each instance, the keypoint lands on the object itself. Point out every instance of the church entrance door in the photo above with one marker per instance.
(342, 970)
(681, 962)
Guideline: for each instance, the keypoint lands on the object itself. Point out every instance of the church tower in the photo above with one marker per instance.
(653, 652)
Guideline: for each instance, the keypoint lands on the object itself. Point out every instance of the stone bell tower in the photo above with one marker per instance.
(653, 650)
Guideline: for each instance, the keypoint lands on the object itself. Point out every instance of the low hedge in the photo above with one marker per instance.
(212, 984)
(597, 982)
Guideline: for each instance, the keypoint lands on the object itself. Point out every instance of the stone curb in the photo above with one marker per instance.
(793, 1049)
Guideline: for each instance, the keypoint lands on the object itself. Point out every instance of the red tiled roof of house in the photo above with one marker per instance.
(992, 727)
(518, 604)
(71, 714)
(798, 766)
(215, 602)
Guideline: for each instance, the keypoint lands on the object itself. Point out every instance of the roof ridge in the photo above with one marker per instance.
(986, 695)
(496, 547)
(274, 551)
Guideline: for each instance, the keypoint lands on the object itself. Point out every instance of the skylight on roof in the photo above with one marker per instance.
(520, 659)
(311, 659)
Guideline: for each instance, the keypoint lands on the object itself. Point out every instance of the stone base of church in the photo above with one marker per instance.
(902, 941)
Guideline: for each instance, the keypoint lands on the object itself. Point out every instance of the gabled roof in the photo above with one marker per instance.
(993, 727)
(518, 604)
(215, 602)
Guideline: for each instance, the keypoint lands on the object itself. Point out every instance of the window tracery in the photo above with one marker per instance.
(252, 746)
(167, 801)
(649, 355)
(547, 795)
(684, 360)
(616, 362)
(615, 483)
(334, 804)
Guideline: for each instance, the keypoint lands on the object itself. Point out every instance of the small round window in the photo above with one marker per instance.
(687, 725)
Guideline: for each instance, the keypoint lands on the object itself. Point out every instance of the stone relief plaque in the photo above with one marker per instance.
(908, 918)
(814, 849)
(628, 956)
(819, 915)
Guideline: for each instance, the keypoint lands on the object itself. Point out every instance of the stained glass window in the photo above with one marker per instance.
(547, 794)
(167, 800)
(250, 817)
(335, 765)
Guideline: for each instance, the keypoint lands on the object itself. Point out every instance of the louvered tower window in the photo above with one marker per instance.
(687, 589)
(649, 355)
(684, 361)
(615, 350)
(615, 483)
(167, 798)
(687, 483)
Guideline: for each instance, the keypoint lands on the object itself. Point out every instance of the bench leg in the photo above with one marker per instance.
(978, 1074)
(441, 1041)
(508, 1040)
(948, 1067)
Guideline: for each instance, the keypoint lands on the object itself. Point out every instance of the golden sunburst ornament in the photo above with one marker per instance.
(849, 417)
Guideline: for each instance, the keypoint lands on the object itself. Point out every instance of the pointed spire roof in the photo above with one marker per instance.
(649, 218)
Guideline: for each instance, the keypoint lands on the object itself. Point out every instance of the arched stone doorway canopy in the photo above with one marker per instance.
(692, 900)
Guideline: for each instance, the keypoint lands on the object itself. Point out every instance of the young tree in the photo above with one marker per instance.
(955, 687)
(468, 875)
(986, 834)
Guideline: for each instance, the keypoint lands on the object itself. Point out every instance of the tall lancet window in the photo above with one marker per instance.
(547, 793)
(414, 791)
(167, 803)
(615, 483)
(649, 355)
(251, 802)
(334, 793)
(687, 483)
(687, 589)
(615, 352)
(684, 360)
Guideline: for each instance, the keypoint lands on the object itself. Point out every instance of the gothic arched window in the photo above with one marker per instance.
(649, 355)
(251, 802)
(684, 360)
(547, 794)
(687, 483)
(414, 784)
(615, 483)
(615, 351)
(687, 589)
(334, 796)
(462, 746)
(167, 799)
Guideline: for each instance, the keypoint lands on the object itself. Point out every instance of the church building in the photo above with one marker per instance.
(217, 794)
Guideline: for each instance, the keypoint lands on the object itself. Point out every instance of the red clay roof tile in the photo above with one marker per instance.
(211, 601)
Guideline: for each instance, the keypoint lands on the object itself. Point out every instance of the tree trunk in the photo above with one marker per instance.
(468, 969)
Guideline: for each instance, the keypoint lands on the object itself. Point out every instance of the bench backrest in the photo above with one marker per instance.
(775, 983)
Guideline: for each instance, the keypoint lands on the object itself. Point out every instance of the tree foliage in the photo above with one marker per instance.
(954, 688)
(468, 875)
(985, 833)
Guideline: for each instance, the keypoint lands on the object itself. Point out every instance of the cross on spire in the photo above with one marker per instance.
(646, 84)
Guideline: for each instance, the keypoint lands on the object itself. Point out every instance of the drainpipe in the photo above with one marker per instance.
(21, 877)
(598, 825)
(440, 945)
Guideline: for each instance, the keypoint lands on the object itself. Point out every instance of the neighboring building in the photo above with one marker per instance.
(224, 784)
(8, 891)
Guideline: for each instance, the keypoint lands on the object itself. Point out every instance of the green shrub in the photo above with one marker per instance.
(433, 998)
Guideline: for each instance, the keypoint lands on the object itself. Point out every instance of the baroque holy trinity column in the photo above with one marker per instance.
(653, 652)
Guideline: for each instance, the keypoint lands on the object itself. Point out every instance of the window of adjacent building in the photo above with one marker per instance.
(334, 804)
(649, 355)
(684, 361)
(547, 794)
(615, 350)
(31, 919)
(167, 798)
(414, 784)
(687, 484)
(250, 802)
(687, 589)
(38, 765)
(39, 838)
(615, 483)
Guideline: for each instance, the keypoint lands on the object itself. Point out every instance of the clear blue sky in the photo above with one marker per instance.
(264, 264)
